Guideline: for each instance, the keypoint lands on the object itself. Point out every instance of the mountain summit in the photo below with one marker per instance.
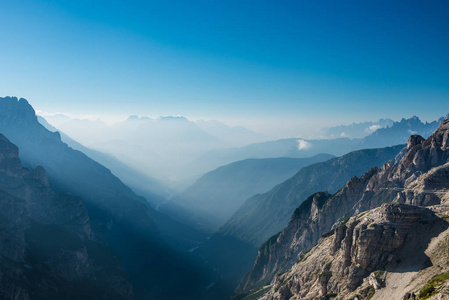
(17, 111)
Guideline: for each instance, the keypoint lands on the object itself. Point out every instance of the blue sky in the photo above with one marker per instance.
(294, 63)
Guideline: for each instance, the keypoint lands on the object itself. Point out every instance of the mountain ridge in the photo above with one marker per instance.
(119, 218)
(139, 182)
(259, 218)
(416, 178)
(285, 197)
(218, 194)
(48, 249)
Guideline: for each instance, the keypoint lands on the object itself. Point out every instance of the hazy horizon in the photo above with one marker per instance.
(291, 131)
(178, 150)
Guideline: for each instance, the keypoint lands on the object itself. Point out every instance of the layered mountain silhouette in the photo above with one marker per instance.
(141, 237)
(141, 183)
(160, 147)
(234, 247)
(355, 130)
(401, 131)
(177, 151)
(263, 215)
(213, 198)
(71, 227)
(394, 134)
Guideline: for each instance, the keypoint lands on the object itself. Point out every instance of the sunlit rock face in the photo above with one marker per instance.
(363, 258)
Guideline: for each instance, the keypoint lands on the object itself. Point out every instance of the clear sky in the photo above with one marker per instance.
(271, 63)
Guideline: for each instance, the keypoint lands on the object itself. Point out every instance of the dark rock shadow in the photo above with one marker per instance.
(411, 255)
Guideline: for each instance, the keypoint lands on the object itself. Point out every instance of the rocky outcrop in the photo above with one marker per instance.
(355, 262)
(419, 177)
(47, 247)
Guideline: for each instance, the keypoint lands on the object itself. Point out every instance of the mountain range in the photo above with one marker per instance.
(355, 130)
(157, 147)
(368, 224)
(177, 151)
(150, 246)
(394, 134)
(383, 235)
(263, 215)
(233, 249)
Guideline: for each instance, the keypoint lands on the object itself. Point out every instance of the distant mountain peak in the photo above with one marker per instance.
(136, 118)
(413, 119)
(443, 118)
(174, 118)
(16, 110)
(18, 116)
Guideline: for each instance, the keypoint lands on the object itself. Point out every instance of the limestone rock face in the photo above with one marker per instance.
(357, 259)
(414, 140)
(47, 248)
(419, 176)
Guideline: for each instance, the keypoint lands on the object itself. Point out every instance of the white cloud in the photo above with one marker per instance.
(304, 145)
(373, 128)
(343, 134)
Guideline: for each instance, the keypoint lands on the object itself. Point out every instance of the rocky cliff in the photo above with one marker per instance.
(375, 255)
(418, 176)
(47, 247)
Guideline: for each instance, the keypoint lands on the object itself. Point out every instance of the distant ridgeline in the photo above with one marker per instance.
(394, 134)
